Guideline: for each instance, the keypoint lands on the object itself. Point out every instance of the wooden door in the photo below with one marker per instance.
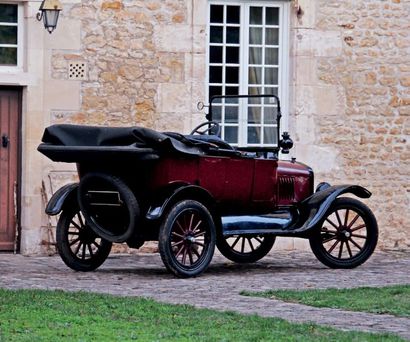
(9, 160)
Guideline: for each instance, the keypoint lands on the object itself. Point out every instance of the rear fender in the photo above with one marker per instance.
(63, 195)
(316, 206)
(176, 194)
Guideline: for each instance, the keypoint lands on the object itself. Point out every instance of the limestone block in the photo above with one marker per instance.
(305, 71)
(200, 10)
(173, 122)
(305, 129)
(31, 207)
(301, 244)
(318, 43)
(199, 39)
(66, 36)
(62, 94)
(34, 125)
(308, 14)
(179, 39)
(320, 100)
(174, 98)
(319, 158)
(30, 240)
(284, 244)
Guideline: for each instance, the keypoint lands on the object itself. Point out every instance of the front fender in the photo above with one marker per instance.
(316, 206)
(56, 202)
(173, 195)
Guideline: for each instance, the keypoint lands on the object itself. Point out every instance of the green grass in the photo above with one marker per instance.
(31, 315)
(393, 300)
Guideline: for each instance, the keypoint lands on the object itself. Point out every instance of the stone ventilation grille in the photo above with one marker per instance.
(77, 70)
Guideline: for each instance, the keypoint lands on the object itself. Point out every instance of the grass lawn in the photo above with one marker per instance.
(31, 315)
(393, 300)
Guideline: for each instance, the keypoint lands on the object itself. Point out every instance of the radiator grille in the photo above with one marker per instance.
(286, 188)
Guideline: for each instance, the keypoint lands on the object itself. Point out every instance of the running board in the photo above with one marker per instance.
(276, 224)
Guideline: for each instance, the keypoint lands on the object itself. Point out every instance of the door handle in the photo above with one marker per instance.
(5, 140)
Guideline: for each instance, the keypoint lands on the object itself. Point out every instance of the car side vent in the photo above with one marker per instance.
(286, 188)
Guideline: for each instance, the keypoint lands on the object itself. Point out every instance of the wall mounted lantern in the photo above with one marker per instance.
(49, 11)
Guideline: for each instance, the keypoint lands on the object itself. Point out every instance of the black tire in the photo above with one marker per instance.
(245, 249)
(350, 224)
(187, 239)
(79, 247)
(115, 220)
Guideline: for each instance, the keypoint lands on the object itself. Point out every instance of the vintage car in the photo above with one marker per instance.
(192, 192)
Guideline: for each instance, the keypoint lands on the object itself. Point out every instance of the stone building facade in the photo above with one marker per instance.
(144, 62)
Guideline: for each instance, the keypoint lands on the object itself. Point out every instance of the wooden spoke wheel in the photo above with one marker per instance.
(79, 247)
(245, 249)
(347, 236)
(187, 239)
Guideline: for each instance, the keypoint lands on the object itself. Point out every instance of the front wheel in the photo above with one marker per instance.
(245, 249)
(347, 236)
(187, 239)
(79, 247)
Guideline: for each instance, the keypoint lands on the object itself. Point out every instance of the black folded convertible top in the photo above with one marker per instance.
(75, 143)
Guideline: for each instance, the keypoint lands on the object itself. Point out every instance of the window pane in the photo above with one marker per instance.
(232, 35)
(271, 91)
(272, 16)
(271, 56)
(271, 76)
(8, 13)
(254, 115)
(8, 56)
(255, 75)
(255, 35)
(217, 14)
(232, 75)
(8, 34)
(231, 135)
(272, 36)
(269, 115)
(233, 100)
(254, 135)
(255, 55)
(233, 15)
(215, 74)
(256, 15)
(232, 55)
(215, 54)
(216, 34)
(254, 91)
(216, 113)
(270, 135)
(232, 91)
(214, 91)
(231, 114)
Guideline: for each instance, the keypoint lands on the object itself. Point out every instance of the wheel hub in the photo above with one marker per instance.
(344, 233)
(190, 239)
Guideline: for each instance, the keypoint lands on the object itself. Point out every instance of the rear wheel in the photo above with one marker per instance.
(347, 236)
(79, 247)
(187, 239)
(245, 249)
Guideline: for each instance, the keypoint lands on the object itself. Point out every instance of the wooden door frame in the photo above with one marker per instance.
(19, 91)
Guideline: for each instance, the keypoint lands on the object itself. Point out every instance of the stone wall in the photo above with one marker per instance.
(352, 102)
(139, 56)
(350, 85)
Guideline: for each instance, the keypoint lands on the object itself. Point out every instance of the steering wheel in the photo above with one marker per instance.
(211, 125)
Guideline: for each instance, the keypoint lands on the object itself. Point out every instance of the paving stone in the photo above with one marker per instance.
(144, 275)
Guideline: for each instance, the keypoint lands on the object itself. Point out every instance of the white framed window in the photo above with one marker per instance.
(11, 36)
(248, 55)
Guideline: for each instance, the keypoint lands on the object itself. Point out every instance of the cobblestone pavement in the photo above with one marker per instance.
(219, 288)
